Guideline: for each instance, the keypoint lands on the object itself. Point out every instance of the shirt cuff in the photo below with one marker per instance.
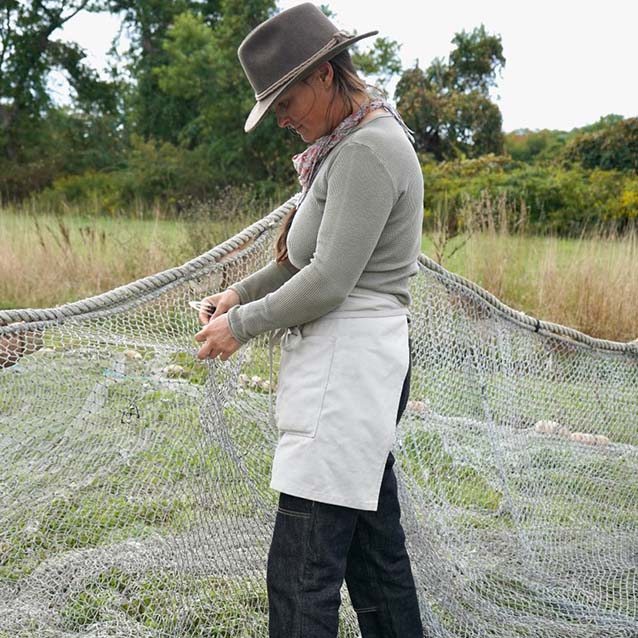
(235, 325)
(241, 292)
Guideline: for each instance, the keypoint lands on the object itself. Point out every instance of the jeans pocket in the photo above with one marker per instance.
(295, 505)
(304, 370)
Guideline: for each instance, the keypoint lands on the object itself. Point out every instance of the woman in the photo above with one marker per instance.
(339, 285)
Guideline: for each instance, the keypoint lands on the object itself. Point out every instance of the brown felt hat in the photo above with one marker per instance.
(286, 48)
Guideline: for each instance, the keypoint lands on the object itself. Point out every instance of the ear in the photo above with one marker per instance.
(325, 73)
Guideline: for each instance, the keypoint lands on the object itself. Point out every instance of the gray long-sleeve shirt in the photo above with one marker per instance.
(359, 225)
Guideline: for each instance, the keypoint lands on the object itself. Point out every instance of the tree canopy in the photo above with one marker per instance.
(448, 104)
(167, 121)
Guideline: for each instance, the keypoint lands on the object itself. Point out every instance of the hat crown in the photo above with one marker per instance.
(283, 43)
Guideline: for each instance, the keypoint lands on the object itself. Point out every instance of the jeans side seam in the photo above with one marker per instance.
(384, 606)
(304, 573)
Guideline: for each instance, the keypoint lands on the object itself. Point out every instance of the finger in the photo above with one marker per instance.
(212, 353)
(204, 351)
(206, 308)
(201, 336)
(230, 350)
(219, 310)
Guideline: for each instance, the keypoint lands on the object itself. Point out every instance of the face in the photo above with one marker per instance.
(307, 106)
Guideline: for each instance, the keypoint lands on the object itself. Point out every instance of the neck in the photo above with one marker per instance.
(342, 109)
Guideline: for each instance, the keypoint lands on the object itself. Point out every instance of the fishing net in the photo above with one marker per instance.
(134, 496)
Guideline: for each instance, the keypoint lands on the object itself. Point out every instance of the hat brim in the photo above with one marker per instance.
(260, 109)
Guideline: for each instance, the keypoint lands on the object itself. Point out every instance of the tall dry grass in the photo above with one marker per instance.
(596, 289)
(47, 260)
(589, 283)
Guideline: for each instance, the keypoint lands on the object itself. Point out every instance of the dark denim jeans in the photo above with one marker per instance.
(316, 545)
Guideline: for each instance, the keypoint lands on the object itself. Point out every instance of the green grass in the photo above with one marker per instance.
(198, 606)
(424, 458)
(528, 398)
(170, 458)
(47, 260)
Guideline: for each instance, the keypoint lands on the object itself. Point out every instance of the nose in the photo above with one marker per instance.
(280, 113)
(282, 120)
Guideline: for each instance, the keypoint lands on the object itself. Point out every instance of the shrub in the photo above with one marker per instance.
(614, 147)
(562, 199)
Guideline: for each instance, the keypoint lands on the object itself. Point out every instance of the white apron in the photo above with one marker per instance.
(340, 381)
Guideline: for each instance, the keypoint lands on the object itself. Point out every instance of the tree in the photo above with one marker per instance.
(380, 62)
(448, 106)
(28, 52)
(202, 69)
(530, 146)
(152, 113)
(614, 146)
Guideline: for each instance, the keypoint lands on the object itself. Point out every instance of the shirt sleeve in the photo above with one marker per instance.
(263, 281)
(360, 196)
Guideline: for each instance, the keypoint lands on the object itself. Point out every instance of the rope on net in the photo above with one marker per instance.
(134, 478)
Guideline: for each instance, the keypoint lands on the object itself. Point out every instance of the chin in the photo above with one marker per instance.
(308, 138)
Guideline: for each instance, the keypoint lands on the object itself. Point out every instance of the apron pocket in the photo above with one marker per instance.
(304, 370)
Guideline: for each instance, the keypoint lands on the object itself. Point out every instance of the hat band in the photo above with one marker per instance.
(337, 38)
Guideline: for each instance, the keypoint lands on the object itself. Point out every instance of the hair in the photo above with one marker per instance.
(347, 84)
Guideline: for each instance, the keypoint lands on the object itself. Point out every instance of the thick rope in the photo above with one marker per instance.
(138, 291)
(527, 321)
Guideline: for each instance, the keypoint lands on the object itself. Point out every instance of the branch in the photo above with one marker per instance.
(55, 16)
(80, 7)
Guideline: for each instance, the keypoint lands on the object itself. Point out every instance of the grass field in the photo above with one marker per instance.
(87, 534)
(99, 480)
(590, 284)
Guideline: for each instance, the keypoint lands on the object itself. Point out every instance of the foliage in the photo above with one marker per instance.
(564, 200)
(170, 131)
(152, 113)
(28, 53)
(157, 172)
(528, 146)
(448, 105)
(177, 130)
(614, 146)
(380, 63)
(31, 127)
(603, 122)
(202, 65)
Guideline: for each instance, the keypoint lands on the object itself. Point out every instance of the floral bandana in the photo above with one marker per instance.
(307, 163)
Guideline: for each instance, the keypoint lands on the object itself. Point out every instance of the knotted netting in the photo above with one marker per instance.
(134, 496)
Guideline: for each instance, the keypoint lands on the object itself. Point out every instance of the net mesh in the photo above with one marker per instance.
(134, 496)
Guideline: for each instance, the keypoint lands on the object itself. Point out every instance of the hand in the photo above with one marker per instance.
(223, 301)
(217, 338)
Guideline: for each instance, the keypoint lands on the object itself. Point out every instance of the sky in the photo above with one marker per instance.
(568, 62)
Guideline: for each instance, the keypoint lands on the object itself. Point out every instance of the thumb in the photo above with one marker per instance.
(219, 310)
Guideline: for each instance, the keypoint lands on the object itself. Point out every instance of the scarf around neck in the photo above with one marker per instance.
(307, 162)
